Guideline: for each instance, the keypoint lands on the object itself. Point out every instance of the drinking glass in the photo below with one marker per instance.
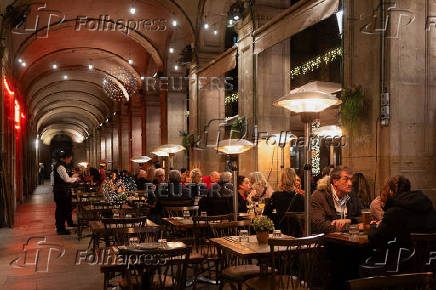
(204, 214)
(243, 234)
(186, 214)
(116, 215)
(277, 234)
(128, 216)
(162, 242)
(353, 230)
(133, 241)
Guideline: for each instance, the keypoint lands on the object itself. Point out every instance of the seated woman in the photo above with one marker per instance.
(285, 200)
(244, 188)
(260, 187)
(377, 205)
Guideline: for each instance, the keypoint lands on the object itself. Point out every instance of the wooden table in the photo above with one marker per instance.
(246, 250)
(346, 239)
(180, 223)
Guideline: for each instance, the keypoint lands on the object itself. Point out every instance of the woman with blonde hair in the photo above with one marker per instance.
(196, 175)
(285, 200)
(260, 187)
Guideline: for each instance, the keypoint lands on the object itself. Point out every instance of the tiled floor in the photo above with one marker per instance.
(35, 221)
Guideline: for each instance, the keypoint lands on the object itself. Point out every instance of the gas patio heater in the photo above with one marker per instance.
(308, 101)
(161, 155)
(171, 149)
(232, 148)
(141, 159)
(332, 131)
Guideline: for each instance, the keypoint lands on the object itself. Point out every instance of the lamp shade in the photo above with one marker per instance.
(307, 102)
(141, 159)
(333, 131)
(234, 146)
(160, 153)
(171, 148)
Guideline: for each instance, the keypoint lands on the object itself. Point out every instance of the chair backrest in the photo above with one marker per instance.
(159, 269)
(425, 252)
(403, 281)
(176, 203)
(294, 223)
(111, 223)
(295, 260)
(173, 211)
(212, 218)
(228, 228)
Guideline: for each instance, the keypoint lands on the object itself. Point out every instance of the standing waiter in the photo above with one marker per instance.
(62, 192)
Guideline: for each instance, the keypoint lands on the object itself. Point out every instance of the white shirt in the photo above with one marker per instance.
(340, 203)
(62, 171)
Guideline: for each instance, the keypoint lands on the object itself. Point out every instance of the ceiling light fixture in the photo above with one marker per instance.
(55, 66)
(20, 60)
(91, 67)
(171, 50)
(142, 78)
(65, 77)
(176, 67)
(174, 23)
(215, 32)
(206, 26)
(132, 10)
(23, 63)
(130, 61)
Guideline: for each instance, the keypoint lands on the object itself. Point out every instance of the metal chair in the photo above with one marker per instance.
(413, 281)
(293, 263)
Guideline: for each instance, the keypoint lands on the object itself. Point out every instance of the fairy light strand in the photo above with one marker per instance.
(316, 62)
(315, 149)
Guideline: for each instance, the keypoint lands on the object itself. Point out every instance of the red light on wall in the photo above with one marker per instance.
(5, 83)
(17, 115)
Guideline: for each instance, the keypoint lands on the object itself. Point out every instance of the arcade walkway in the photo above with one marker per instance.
(35, 218)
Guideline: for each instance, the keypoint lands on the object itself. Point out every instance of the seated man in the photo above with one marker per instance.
(212, 179)
(333, 204)
(219, 198)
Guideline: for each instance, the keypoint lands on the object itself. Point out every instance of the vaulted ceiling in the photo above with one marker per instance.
(74, 65)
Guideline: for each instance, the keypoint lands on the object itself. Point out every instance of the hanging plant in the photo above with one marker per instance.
(353, 107)
(238, 128)
(187, 140)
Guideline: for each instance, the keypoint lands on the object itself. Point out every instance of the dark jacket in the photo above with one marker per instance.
(323, 208)
(282, 202)
(218, 201)
(406, 212)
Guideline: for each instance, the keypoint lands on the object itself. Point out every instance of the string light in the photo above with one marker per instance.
(171, 50)
(91, 67)
(55, 66)
(174, 23)
(206, 26)
(316, 62)
(232, 98)
(315, 149)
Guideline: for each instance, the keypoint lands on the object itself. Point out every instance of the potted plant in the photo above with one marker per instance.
(262, 226)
